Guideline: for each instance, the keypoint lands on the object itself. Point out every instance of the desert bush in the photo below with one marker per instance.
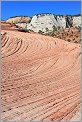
(75, 41)
(77, 36)
(59, 27)
(47, 29)
(40, 32)
(37, 15)
(54, 28)
(50, 34)
(79, 28)
(68, 40)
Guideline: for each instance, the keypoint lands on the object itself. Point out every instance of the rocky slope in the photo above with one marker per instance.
(52, 25)
(9, 26)
(19, 19)
(13, 27)
(44, 21)
(71, 35)
(40, 78)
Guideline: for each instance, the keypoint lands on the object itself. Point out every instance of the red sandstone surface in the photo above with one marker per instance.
(8, 26)
(40, 78)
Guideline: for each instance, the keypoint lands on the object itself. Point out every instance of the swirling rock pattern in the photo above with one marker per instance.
(40, 78)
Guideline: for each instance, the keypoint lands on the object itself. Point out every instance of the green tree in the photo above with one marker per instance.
(68, 40)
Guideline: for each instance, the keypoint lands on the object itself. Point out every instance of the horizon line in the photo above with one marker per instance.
(79, 14)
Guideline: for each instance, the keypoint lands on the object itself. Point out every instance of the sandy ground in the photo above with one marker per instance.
(40, 78)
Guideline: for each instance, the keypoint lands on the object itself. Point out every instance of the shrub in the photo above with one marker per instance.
(79, 28)
(76, 36)
(54, 28)
(59, 27)
(47, 29)
(40, 32)
(75, 41)
(50, 34)
(68, 40)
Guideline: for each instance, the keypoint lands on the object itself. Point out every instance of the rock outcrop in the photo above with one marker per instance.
(44, 22)
(19, 19)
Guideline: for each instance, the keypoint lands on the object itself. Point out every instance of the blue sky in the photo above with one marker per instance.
(30, 8)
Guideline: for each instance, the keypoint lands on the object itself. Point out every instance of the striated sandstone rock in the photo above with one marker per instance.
(40, 78)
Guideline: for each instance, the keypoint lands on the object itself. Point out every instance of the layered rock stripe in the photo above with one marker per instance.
(40, 78)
